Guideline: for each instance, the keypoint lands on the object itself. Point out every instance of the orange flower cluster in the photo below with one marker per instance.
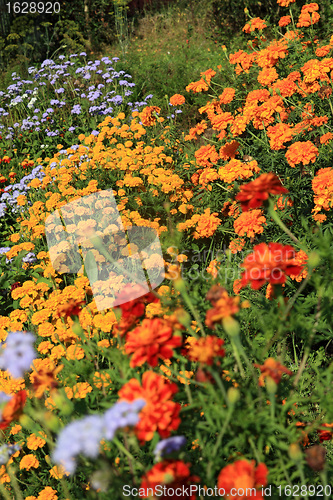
(322, 185)
(308, 16)
(255, 24)
(301, 152)
(177, 100)
(250, 223)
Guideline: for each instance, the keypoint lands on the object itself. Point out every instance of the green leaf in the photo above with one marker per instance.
(91, 266)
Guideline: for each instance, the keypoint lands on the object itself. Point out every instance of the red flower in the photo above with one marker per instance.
(13, 409)
(325, 435)
(152, 340)
(160, 413)
(175, 475)
(254, 193)
(132, 309)
(72, 308)
(269, 263)
(241, 477)
(205, 349)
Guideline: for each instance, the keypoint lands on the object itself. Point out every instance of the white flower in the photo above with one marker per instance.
(32, 102)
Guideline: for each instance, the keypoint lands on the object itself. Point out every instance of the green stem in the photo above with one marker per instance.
(276, 218)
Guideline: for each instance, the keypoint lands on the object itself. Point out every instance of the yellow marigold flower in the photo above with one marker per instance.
(187, 376)
(15, 429)
(4, 478)
(102, 380)
(48, 493)
(29, 461)
(57, 352)
(34, 441)
(15, 237)
(45, 346)
(79, 390)
(104, 343)
(75, 351)
(45, 329)
(250, 223)
(58, 472)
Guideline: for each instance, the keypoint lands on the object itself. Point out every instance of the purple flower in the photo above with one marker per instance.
(29, 258)
(71, 129)
(76, 109)
(122, 414)
(18, 353)
(59, 91)
(6, 451)
(79, 437)
(167, 446)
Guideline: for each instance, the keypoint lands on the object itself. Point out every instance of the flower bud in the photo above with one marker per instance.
(295, 452)
(233, 395)
(231, 326)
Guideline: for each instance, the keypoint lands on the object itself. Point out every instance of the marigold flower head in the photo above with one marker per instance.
(197, 87)
(301, 152)
(285, 3)
(254, 24)
(269, 263)
(227, 95)
(177, 100)
(273, 369)
(223, 308)
(12, 409)
(147, 115)
(253, 194)
(205, 349)
(243, 476)
(284, 21)
(71, 308)
(45, 378)
(250, 223)
(173, 473)
(207, 224)
(152, 340)
(322, 185)
(160, 413)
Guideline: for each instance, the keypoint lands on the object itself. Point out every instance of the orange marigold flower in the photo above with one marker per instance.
(325, 435)
(207, 224)
(269, 263)
(13, 409)
(267, 76)
(306, 19)
(34, 441)
(243, 476)
(326, 138)
(301, 152)
(221, 120)
(160, 413)
(152, 340)
(322, 185)
(173, 473)
(250, 223)
(273, 369)
(236, 169)
(205, 155)
(223, 309)
(197, 87)
(205, 349)
(177, 100)
(278, 135)
(227, 95)
(236, 245)
(146, 116)
(229, 150)
(253, 194)
(301, 258)
(310, 7)
(254, 24)
(285, 3)
(284, 21)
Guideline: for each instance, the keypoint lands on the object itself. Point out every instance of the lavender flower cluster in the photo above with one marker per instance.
(83, 437)
(85, 90)
(17, 353)
(8, 199)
